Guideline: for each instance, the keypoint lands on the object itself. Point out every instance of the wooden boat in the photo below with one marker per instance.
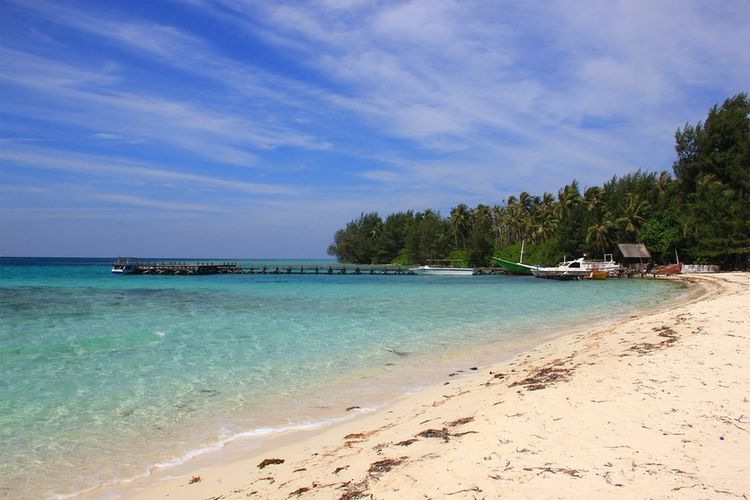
(598, 275)
(514, 268)
(667, 270)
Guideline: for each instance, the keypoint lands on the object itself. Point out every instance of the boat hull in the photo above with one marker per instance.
(443, 271)
(556, 274)
(598, 275)
(667, 270)
(578, 269)
(119, 269)
(515, 268)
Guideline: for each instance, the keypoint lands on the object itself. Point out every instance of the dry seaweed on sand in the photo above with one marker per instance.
(354, 490)
(549, 374)
(555, 470)
(383, 466)
(461, 421)
(407, 442)
(356, 435)
(669, 335)
(194, 479)
(443, 434)
(300, 491)
(305, 489)
(270, 461)
(436, 433)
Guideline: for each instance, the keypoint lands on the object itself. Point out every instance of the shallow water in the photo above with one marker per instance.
(102, 376)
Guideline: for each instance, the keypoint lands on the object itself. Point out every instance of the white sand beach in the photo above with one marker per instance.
(657, 405)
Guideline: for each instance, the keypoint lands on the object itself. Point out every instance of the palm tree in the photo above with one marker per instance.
(593, 198)
(545, 226)
(525, 202)
(498, 223)
(481, 216)
(548, 202)
(459, 223)
(663, 181)
(567, 198)
(513, 215)
(599, 232)
(633, 214)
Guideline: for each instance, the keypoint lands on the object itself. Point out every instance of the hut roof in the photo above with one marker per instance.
(634, 251)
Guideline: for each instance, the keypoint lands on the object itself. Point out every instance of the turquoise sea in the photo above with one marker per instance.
(107, 377)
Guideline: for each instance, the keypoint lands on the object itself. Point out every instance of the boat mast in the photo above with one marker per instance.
(522, 242)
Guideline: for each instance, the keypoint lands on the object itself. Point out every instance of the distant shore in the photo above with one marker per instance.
(654, 405)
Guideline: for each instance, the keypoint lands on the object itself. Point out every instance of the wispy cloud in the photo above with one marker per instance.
(48, 159)
(63, 95)
(140, 201)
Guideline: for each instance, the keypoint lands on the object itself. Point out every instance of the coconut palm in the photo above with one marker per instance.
(548, 202)
(599, 232)
(567, 198)
(498, 223)
(593, 198)
(634, 212)
(459, 221)
(545, 226)
(663, 181)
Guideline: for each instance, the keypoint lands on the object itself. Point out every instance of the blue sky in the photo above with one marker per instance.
(236, 128)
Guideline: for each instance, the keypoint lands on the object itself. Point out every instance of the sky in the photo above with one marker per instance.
(256, 129)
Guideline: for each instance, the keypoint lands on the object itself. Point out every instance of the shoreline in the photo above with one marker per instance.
(219, 478)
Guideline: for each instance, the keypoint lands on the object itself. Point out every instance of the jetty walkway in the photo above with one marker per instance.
(210, 268)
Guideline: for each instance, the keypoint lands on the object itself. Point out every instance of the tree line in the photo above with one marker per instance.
(701, 209)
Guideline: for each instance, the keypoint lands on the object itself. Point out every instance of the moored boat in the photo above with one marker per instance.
(567, 270)
(598, 275)
(514, 268)
(667, 270)
(123, 267)
(443, 271)
(579, 269)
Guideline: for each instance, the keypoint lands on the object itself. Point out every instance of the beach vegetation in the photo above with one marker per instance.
(701, 210)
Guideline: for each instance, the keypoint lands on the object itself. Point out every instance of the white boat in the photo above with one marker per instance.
(443, 271)
(578, 269)
(123, 267)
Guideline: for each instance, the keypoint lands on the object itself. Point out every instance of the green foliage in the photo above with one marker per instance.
(359, 240)
(662, 236)
(459, 258)
(545, 253)
(600, 232)
(704, 212)
(713, 183)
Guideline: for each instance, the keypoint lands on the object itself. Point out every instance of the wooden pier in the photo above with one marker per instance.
(210, 268)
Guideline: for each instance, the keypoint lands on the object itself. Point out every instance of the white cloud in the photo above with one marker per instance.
(140, 201)
(101, 166)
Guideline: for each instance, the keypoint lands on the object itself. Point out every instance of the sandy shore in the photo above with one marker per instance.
(657, 405)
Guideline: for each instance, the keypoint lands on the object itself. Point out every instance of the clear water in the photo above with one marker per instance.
(103, 376)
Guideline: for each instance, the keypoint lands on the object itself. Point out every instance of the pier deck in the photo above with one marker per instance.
(210, 268)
